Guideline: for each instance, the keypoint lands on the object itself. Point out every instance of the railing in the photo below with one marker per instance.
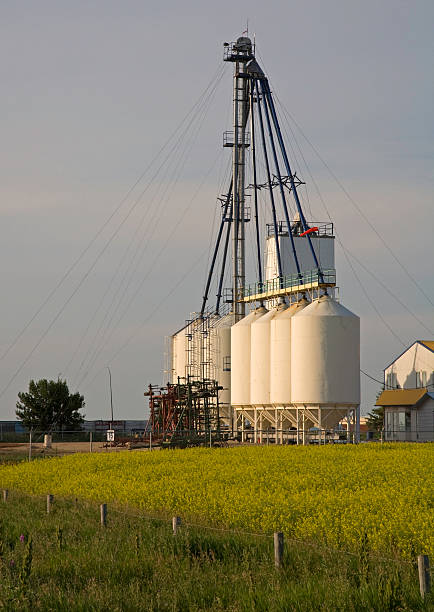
(290, 281)
(324, 229)
(229, 139)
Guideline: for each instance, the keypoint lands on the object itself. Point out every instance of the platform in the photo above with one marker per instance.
(286, 285)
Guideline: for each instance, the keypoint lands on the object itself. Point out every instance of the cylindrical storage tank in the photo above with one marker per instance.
(260, 357)
(240, 358)
(223, 365)
(325, 355)
(280, 354)
(179, 355)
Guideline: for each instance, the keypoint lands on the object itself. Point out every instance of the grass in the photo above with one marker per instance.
(135, 563)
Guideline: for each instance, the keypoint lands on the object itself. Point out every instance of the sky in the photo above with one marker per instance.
(111, 161)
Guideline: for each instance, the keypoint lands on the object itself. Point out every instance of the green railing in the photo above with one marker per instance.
(290, 281)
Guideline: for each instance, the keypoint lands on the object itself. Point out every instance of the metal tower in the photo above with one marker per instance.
(240, 53)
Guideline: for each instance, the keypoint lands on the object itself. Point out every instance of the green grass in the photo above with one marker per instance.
(138, 564)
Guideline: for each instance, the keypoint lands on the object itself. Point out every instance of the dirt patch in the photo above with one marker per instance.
(58, 448)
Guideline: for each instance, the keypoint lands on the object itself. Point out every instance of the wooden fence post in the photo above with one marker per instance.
(49, 502)
(5, 495)
(278, 549)
(176, 522)
(424, 575)
(103, 511)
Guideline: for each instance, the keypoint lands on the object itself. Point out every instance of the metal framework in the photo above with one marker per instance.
(186, 413)
(299, 425)
(252, 99)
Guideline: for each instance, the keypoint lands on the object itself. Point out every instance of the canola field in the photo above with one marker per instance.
(338, 496)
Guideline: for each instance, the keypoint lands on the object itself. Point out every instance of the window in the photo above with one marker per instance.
(404, 421)
(227, 363)
(389, 422)
(391, 380)
(397, 423)
(401, 421)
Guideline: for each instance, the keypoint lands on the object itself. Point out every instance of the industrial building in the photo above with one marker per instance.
(283, 352)
(97, 426)
(408, 398)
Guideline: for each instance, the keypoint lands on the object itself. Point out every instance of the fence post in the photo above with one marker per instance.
(278, 549)
(103, 512)
(30, 444)
(90, 441)
(424, 575)
(5, 495)
(176, 522)
(49, 502)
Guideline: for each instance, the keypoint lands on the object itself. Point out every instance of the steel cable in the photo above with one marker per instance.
(96, 260)
(102, 228)
(104, 340)
(152, 228)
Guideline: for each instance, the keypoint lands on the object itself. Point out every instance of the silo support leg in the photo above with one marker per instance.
(255, 430)
(357, 410)
(298, 428)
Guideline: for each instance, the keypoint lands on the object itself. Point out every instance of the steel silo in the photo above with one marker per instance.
(240, 357)
(179, 355)
(223, 365)
(260, 357)
(280, 354)
(325, 359)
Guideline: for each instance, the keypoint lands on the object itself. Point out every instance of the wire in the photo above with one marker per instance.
(372, 378)
(152, 225)
(390, 292)
(98, 349)
(235, 532)
(102, 228)
(344, 250)
(151, 267)
(100, 254)
(358, 208)
(164, 300)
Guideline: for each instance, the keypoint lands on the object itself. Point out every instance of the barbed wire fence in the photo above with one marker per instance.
(279, 539)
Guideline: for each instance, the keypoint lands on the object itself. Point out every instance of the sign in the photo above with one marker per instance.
(110, 435)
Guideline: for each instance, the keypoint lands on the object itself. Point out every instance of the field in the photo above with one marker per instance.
(66, 561)
(354, 519)
(336, 496)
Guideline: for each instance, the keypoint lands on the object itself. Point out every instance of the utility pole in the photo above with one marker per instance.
(111, 397)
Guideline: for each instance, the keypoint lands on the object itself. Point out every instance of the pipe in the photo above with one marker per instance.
(273, 207)
(219, 235)
(288, 169)
(282, 193)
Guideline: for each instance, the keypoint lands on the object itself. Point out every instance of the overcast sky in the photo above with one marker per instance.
(90, 93)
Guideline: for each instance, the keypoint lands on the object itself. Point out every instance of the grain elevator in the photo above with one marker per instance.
(282, 351)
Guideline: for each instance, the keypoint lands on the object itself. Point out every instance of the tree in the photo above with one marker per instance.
(375, 419)
(49, 405)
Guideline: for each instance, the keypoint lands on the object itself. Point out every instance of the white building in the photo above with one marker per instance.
(413, 369)
(408, 398)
